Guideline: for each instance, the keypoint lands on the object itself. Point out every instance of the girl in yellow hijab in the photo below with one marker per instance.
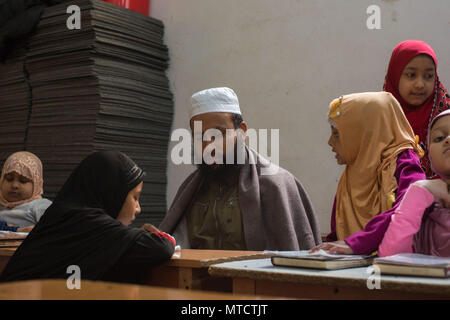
(373, 138)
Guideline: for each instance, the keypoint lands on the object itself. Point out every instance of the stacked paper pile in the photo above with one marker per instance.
(14, 104)
(100, 87)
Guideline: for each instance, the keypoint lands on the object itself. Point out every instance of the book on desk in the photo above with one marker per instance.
(318, 260)
(413, 264)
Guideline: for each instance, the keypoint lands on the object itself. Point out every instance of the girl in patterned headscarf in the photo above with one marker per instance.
(21, 188)
(413, 80)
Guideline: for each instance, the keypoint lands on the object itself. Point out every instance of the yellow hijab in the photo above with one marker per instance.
(28, 165)
(373, 131)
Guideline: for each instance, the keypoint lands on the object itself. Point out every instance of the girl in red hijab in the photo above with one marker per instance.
(413, 80)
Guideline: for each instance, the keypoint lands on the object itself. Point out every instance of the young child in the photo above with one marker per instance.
(371, 136)
(88, 226)
(421, 223)
(413, 80)
(21, 188)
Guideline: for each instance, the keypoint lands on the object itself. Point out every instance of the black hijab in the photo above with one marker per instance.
(80, 227)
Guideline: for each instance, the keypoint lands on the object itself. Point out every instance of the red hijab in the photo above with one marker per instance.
(419, 117)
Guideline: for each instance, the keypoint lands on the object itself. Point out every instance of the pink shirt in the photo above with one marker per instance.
(367, 240)
(405, 222)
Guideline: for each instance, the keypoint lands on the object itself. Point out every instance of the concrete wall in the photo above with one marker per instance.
(286, 60)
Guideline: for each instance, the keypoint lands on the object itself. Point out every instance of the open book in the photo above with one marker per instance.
(414, 264)
(317, 260)
(10, 239)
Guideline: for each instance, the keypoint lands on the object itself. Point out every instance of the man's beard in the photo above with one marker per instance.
(221, 171)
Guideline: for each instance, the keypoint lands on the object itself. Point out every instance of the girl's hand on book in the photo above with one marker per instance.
(438, 188)
(335, 247)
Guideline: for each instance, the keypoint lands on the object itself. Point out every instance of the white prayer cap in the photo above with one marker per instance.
(214, 100)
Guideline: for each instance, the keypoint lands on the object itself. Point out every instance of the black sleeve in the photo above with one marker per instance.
(149, 250)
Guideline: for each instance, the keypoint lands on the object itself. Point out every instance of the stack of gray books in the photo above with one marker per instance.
(100, 87)
(14, 104)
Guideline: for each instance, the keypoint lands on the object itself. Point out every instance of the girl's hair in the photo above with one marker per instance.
(237, 119)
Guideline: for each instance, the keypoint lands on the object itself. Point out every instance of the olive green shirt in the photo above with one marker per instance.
(214, 220)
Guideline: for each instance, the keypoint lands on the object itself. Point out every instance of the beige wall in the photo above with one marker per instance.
(286, 60)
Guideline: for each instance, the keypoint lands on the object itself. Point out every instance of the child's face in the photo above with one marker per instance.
(131, 206)
(335, 143)
(439, 151)
(417, 80)
(16, 187)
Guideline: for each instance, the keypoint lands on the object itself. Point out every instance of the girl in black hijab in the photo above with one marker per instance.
(87, 226)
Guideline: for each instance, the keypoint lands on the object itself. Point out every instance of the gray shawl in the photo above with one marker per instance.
(277, 213)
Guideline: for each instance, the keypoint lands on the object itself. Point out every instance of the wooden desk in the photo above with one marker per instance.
(7, 252)
(260, 277)
(97, 290)
(188, 269)
(5, 255)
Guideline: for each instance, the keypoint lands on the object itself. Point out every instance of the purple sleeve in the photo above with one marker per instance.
(408, 171)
